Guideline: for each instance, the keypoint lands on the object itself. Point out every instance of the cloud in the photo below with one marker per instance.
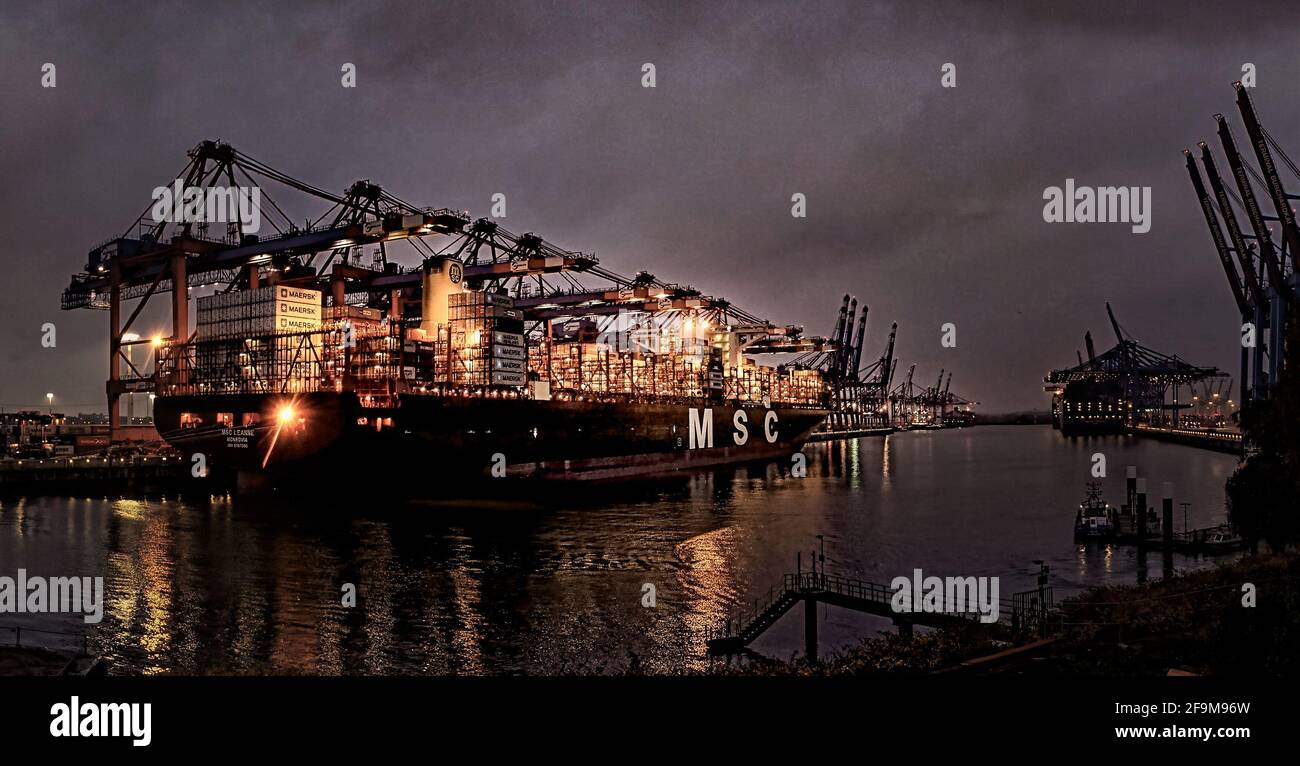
(924, 202)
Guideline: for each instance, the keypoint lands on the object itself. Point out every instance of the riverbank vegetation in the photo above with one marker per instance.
(920, 654)
(1239, 619)
(1264, 493)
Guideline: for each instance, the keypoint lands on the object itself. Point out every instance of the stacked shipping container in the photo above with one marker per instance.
(239, 332)
(279, 338)
(486, 338)
(593, 368)
(253, 313)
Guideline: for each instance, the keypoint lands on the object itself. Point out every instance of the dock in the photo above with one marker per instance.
(1217, 440)
(852, 433)
(68, 475)
(1219, 539)
(1137, 523)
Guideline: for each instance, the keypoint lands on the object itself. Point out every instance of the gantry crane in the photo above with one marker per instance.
(1265, 288)
(157, 256)
(859, 397)
(1141, 376)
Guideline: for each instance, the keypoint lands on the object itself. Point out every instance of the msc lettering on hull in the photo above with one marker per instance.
(701, 427)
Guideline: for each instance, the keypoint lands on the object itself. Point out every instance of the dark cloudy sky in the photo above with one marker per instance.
(925, 202)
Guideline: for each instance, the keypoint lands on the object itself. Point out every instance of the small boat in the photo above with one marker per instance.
(1095, 519)
(1219, 539)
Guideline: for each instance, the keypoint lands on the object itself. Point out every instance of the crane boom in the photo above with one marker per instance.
(1270, 264)
(1217, 234)
(887, 375)
(845, 353)
(1119, 334)
(1263, 237)
(838, 336)
(1290, 232)
(857, 346)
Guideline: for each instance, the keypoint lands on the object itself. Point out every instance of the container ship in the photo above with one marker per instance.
(276, 381)
(1088, 407)
(495, 356)
(1127, 386)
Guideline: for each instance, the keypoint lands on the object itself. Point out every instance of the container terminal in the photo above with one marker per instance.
(1132, 388)
(498, 355)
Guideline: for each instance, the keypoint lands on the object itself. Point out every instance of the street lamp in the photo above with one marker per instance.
(130, 338)
(157, 343)
(49, 398)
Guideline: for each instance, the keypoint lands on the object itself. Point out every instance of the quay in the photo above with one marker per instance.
(70, 475)
(1212, 439)
(852, 433)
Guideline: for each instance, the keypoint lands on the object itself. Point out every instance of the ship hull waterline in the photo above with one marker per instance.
(448, 442)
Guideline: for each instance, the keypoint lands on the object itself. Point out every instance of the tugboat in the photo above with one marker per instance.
(1095, 519)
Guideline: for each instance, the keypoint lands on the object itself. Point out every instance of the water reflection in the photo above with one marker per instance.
(708, 583)
(217, 585)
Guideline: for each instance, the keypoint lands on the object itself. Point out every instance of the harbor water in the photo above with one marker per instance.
(594, 579)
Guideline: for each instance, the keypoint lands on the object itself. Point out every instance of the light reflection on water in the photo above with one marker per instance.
(223, 586)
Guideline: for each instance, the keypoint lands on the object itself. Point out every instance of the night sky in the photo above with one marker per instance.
(923, 201)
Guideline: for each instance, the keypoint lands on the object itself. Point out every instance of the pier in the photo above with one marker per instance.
(1136, 523)
(1023, 611)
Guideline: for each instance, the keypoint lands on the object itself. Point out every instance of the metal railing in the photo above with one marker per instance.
(1207, 433)
(1022, 611)
(17, 630)
(843, 586)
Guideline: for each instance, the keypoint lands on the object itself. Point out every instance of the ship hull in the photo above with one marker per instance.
(1089, 407)
(436, 440)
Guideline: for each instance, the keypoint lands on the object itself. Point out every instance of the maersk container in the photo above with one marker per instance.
(302, 310)
(285, 294)
(508, 378)
(508, 365)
